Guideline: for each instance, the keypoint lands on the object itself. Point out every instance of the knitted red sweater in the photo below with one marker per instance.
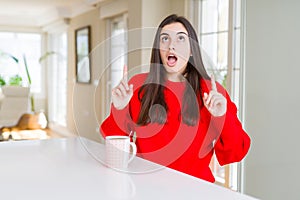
(174, 144)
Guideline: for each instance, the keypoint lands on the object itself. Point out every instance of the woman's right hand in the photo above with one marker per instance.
(123, 92)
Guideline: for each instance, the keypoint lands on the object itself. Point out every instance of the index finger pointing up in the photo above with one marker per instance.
(125, 73)
(213, 83)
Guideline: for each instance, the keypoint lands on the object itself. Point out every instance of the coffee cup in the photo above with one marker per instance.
(119, 151)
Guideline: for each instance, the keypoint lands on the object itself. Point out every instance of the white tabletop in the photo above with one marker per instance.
(71, 168)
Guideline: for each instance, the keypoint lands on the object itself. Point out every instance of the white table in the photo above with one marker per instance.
(69, 168)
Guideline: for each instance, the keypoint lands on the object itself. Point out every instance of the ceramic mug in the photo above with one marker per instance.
(119, 151)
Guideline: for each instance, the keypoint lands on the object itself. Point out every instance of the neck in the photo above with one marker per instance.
(175, 77)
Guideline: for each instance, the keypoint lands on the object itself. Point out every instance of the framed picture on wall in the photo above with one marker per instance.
(82, 50)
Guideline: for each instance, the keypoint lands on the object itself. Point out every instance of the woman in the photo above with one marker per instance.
(180, 115)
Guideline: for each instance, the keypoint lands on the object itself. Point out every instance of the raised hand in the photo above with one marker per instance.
(123, 92)
(215, 102)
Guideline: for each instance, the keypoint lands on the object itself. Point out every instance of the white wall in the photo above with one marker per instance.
(82, 98)
(272, 167)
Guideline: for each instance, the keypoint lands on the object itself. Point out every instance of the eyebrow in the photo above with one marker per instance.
(176, 33)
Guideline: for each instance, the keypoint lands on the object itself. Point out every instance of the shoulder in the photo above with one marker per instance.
(138, 77)
(138, 80)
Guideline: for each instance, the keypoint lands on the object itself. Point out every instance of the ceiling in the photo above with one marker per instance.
(38, 13)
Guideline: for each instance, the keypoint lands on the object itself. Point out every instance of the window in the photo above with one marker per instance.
(117, 52)
(219, 27)
(19, 45)
(58, 79)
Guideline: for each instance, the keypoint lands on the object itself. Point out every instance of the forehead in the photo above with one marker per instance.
(174, 28)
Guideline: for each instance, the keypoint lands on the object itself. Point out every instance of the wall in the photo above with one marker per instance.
(82, 108)
(272, 98)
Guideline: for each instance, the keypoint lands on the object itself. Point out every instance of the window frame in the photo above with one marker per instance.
(53, 92)
(124, 18)
(194, 14)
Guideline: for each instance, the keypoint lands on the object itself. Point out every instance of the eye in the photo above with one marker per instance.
(164, 39)
(181, 38)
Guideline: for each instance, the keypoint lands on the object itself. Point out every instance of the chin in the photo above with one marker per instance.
(171, 69)
(174, 69)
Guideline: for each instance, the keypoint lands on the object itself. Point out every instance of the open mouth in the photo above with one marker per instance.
(172, 59)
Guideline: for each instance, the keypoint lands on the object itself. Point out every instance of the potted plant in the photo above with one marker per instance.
(15, 80)
(35, 119)
(2, 81)
(41, 59)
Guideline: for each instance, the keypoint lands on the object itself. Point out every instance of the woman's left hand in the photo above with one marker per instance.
(215, 102)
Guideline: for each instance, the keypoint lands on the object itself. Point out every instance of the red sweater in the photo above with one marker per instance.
(174, 144)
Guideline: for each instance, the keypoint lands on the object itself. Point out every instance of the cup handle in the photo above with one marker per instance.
(134, 150)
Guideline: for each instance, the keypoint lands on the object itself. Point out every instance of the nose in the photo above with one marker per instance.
(171, 46)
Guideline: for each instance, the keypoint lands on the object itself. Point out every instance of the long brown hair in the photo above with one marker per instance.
(151, 94)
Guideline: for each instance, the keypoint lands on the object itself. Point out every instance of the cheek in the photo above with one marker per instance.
(184, 53)
(184, 50)
(162, 55)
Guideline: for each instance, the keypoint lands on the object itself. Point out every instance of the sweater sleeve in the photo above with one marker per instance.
(117, 123)
(233, 143)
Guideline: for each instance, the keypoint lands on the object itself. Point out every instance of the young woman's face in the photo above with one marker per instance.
(174, 49)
